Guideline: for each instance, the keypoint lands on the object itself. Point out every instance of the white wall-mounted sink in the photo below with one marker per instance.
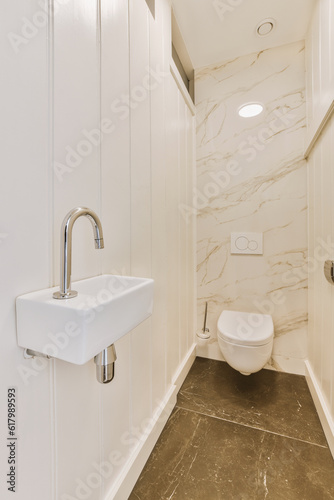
(75, 330)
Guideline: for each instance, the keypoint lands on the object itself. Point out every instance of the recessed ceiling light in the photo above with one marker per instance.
(265, 27)
(251, 109)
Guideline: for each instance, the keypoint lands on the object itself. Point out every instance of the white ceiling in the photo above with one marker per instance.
(218, 30)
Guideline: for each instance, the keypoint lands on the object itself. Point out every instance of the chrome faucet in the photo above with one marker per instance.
(66, 248)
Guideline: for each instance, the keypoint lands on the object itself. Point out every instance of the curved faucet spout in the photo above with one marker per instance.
(66, 247)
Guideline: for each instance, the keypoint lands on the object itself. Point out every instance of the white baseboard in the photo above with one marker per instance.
(321, 405)
(132, 469)
(184, 367)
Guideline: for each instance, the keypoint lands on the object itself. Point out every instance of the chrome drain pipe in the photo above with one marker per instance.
(105, 364)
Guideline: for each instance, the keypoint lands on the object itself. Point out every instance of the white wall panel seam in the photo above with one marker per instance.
(331, 39)
(54, 474)
(314, 353)
(164, 65)
(166, 42)
(100, 214)
(51, 137)
(188, 249)
(179, 184)
(130, 220)
(99, 198)
(51, 278)
(151, 204)
(320, 54)
(99, 105)
(322, 284)
(332, 235)
(194, 226)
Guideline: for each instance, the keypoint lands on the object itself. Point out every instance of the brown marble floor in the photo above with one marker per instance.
(232, 437)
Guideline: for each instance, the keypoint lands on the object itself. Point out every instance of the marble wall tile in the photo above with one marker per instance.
(252, 177)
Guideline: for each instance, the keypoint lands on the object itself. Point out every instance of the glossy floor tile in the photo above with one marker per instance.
(268, 400)
(205, 456)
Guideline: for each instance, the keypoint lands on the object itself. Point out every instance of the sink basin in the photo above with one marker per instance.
(75, 330)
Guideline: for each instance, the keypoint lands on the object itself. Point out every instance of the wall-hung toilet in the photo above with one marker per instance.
(245, 340)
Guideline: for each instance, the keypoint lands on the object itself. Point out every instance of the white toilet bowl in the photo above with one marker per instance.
(245, 340)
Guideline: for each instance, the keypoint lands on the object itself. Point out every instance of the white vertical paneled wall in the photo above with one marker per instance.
(159, 58)
(320, 152)
(319, 68)
(141, 253)
(76, 114)
(93, 116)
(116, 208)
(24, 242)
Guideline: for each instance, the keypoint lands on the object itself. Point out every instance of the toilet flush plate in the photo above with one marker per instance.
(247, 243)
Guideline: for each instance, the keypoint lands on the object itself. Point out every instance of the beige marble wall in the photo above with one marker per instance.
(252, 177)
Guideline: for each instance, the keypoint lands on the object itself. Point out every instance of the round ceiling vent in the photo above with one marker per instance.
(265, 27)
